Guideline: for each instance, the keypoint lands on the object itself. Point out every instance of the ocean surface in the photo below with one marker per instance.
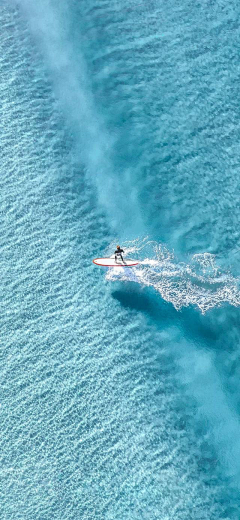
(120, 123)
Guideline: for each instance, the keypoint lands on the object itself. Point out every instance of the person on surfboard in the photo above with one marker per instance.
(118, 253)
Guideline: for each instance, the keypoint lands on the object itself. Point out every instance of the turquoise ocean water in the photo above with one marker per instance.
(120, 391)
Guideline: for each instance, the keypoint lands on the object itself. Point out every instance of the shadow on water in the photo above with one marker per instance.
(211, 329)
(144, 300)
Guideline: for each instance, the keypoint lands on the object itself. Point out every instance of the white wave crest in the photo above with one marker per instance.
(200, 283)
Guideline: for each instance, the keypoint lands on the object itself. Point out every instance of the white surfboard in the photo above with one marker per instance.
(110, 262)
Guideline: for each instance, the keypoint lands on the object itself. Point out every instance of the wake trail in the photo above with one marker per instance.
(200, 283)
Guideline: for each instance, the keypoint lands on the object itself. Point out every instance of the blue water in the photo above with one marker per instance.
(120, 390)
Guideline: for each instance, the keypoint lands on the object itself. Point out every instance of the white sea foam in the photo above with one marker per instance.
(200, 282)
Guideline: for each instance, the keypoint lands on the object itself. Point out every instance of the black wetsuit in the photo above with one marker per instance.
(118, 253)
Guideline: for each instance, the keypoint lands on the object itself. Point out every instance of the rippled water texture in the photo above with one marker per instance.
(119, 391)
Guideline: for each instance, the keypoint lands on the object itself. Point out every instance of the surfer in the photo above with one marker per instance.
(118, 253)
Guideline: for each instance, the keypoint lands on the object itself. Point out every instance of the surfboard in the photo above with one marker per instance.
(110, 262)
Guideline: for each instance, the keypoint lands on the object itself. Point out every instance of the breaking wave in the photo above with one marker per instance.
(200, 282)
